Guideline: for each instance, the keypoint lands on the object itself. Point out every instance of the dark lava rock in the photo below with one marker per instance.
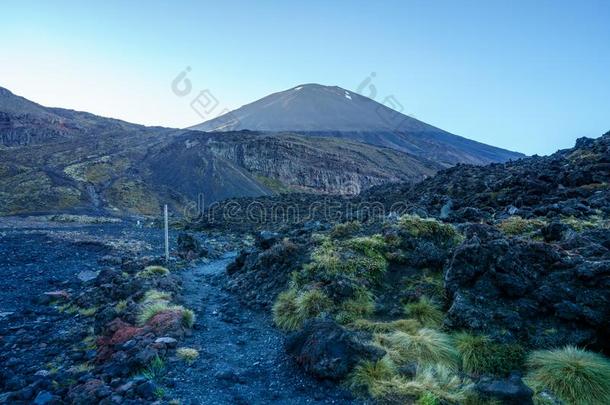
(510, 391)
(146, 390)
(554, 231)
(571, 182)
(266, 239)
(327, 350)
(189, 247)
(268, 270)
(516, 289)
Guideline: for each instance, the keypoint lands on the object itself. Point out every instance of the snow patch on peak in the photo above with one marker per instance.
(347, 95)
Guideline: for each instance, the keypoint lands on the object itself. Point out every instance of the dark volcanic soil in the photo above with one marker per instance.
(242, 359)
(36, 340)
(241, 354)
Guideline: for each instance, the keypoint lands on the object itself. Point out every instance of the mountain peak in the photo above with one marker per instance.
(315, 107)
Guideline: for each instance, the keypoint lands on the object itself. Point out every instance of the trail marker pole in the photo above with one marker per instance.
(166, 234)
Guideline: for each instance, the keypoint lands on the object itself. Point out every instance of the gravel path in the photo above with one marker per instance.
(242, 359)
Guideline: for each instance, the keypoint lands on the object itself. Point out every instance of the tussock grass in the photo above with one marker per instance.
(88, 311)
(429, 283)
(426, 347)
(121, 306)
(366, 375)
(153, 271)
(286, 312)
(402, 325)
(592, 222)
(360, 306)
(574, 375)
(480, 355)
(187, 354)
(149, 311)
(188, 318)
(312, 303)
(425, 311)
(155, 295)
(155, 369)
(292, 308)
(438, 381)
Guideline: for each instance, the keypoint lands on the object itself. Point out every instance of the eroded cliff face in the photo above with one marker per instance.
(320, 165)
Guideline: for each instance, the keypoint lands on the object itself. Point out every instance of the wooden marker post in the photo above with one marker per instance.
(166, 234)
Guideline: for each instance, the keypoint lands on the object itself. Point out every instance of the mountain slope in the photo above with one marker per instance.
(55, 160)
(23, 122)
(313, 109)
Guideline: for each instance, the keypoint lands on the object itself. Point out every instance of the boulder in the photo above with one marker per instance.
(327, 350)
(190, 248)
(509, 391)
(44, 398)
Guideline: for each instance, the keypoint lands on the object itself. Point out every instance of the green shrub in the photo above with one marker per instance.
(345, 229)
(187, 354)
(425, 312)
(480, 355)
(159, 392)
(425, 347)
(325, 261)
(574, 375)
(428, 399)
(582, 224)
(155, 369)
(153, 271)
(429, 228)
(360, 306)
(519, 226)
(357, 258)
(370, 246)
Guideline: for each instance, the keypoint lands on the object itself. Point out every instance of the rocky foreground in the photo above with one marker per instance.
(481, 285)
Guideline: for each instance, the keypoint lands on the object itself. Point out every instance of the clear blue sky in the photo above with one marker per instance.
(525, 75)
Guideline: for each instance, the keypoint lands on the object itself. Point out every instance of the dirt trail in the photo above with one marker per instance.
(242, 360)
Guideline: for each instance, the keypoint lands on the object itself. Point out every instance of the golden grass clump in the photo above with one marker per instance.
(425, 347)
(187, 354)
(153, 271)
